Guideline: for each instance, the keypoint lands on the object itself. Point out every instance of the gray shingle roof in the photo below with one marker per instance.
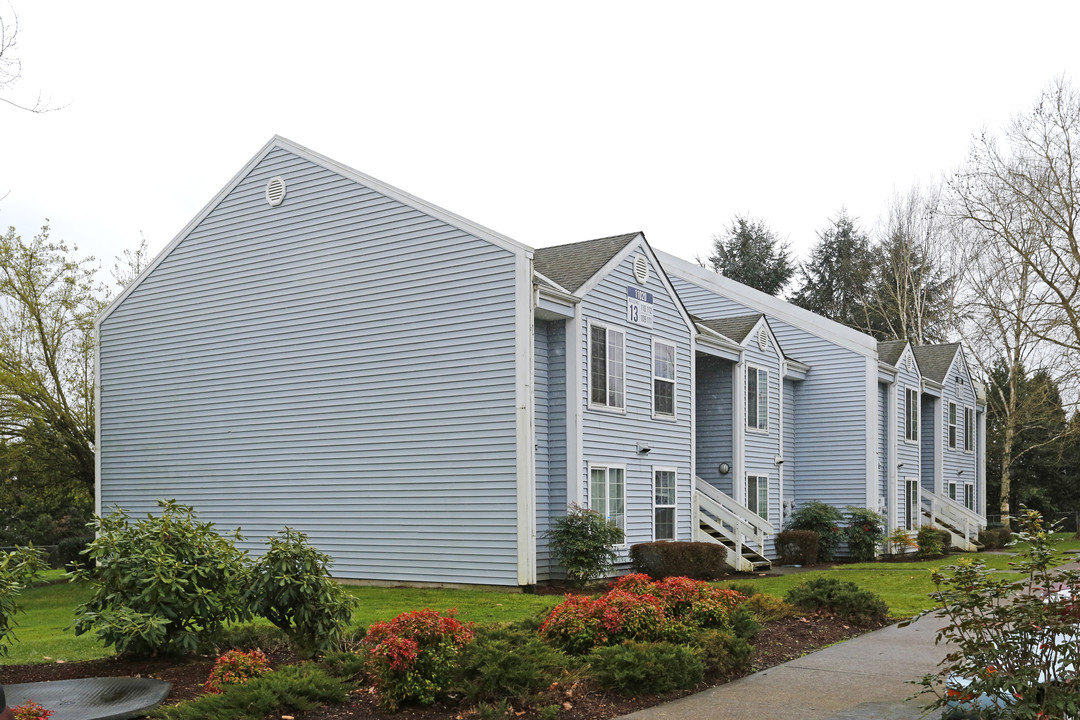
(889, 352)
(573, 264)
(736, 328)
(934, 360)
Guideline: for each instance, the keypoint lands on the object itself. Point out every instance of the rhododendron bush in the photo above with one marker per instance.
(412, 657)
(638, 608)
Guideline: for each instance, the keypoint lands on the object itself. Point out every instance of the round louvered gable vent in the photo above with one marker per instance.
(641, 269)
(275, 191)
(763, 339)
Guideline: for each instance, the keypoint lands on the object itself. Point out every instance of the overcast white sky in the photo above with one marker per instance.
(551, 122)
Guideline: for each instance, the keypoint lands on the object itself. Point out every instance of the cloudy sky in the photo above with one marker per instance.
(549, 122)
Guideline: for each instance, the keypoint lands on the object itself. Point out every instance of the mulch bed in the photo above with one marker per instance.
(778, 642)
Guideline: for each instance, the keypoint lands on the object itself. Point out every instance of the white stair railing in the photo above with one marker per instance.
(738, 524)
(963, 523)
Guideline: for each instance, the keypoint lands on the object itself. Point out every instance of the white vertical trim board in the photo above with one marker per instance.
(575, 492)
(871, 390)
(526, 430)
(891, 475)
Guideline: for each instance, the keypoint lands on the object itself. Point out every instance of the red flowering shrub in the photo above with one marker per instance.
(30, 710)
(236, 668)
(412, 657)
(637, 608)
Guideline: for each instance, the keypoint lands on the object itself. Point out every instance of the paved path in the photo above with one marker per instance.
(862, 679)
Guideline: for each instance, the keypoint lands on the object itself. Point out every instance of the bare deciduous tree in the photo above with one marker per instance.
(11, 64)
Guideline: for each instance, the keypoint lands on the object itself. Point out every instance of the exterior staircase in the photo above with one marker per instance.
(719, 519)
(962, 524)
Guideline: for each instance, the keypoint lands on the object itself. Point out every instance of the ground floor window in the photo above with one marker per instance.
(911, 505)
(757, 495)
(663, 504)
(607, 492)
(952, 491)
(969, 496)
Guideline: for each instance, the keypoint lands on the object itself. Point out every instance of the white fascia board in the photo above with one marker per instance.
(551, 282)
(781, 309)
(751, 337)
(718, 339)
(390, 191)
(886, 372)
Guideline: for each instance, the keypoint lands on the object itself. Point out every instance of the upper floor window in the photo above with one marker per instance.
(952, 426)
(607, 367)
(607, 493)
(663, 379)
(757, 495)
(911, 414)
(663, 504)
(969, 429)
(757, 398)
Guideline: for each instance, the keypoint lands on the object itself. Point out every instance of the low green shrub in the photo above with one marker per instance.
(864, 532)
(746, 589)
(797, 547)
(744, 624)
(293, 687)
(161, 583)
(70, 552)
(845, 599)
(899, 541)
(412, 657)
(290, 585)
(236, 667)
(996, 538)
(767, 608)
(18, 569)
(345, 665)
(647, 668)
(723, 652)
(508, 663)
(583, 542)
(824, 520)
(245, 636)
(696, 560)
(931, 544)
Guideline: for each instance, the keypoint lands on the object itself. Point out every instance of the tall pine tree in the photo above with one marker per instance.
(750, 252)
(835, 279)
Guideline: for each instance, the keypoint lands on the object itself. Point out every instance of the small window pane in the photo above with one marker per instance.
(763, 400)
(665, 487)
(751, 398)
(598, 491)
(615, 369)
(664, 362)
(665, 523)
(617, 497)
(598, 365)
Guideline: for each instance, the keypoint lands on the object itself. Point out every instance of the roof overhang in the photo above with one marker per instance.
(886, 373)
(795, 370)
(552, 304)
(713, 343)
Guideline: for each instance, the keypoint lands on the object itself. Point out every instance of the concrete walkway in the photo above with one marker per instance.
(865, 678)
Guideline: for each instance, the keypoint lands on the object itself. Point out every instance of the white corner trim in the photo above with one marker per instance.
(97, 419)
(872, 428)
(575, 399)
(526, 431)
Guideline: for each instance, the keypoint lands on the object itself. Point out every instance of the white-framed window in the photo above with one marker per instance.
(969, 496)
(969, 429)
(952, 427)
(607, 367)
(663, 503)
(757, 495)
(952, 490)
(911, 504)
(663, 354)
(911, 415)
(607, 492)
(757, 398)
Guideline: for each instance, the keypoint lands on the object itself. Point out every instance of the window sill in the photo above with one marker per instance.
(607, 409)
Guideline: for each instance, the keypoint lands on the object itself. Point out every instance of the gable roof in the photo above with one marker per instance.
(889, 352)
(735, 328)
(572, 265)
(935, 360)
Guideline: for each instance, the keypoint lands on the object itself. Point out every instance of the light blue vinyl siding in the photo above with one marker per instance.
(714, 413)
(929, 434)
(761, 447)
(830, 405)
(343, 364)
(883, 440)
(955, 460)
(550, 409)
(791, 457)
(611, 438)
(907, 452)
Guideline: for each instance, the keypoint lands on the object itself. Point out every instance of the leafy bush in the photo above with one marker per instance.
(583, 542)
(900, 541)
(996, 538)
(636, 668)
(30, 710)
(69, 552)
(345, 664)
(865, 530)
(930, 542)
(245, 636)
(412, 657)
(293, 687)
(797, 547)
(162, 583)
(767, 608)
(638, 608)
(508, 663)
(722, 651)
(824, 520)
(1011, 637)
(697, 560)
(845, 599)
(18, 569)
(744, 624)
(236, 668)
(290, 585)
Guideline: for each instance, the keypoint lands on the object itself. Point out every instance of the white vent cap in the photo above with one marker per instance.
(641, 269)
(275, 190)
(763, 339)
